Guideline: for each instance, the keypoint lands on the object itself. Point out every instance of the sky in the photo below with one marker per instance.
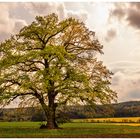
(117, 27)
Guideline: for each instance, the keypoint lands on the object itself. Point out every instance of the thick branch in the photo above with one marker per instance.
(39, 37)
(55, 34)
(22, 94)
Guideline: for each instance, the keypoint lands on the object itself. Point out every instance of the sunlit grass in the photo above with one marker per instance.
(74, 130)
(130, 124)
(110, 120)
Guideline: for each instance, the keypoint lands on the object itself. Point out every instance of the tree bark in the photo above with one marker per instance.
(49, 112)
(51, 108)
(51, 122)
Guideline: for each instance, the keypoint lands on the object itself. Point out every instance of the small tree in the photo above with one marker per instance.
(53, 63)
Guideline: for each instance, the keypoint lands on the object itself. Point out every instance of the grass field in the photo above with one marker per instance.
(69, 130)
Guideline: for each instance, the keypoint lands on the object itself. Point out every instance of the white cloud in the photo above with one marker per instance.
(61, 11)
(135, 54)
(12, 17)
(81, 15)
(126, 80)
(9, 24)
(53, 7)
(18, 25)
(41, 8)
(6, 24)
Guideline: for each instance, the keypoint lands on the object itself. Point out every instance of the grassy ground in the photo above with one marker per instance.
(75, 130)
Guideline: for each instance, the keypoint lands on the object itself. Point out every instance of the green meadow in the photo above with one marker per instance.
(70, 130)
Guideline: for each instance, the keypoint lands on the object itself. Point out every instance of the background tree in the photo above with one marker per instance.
(53, 63)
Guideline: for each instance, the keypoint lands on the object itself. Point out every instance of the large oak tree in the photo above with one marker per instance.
(53, 63)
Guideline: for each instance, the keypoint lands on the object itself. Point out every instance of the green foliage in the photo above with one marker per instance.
(52, 59)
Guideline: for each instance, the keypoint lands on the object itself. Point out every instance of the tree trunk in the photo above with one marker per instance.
(50, 113)
(51, 122)
(51, 108)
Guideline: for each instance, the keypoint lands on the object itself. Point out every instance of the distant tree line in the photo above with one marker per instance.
(126, 109)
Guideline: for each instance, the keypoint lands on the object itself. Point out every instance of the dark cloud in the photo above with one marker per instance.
(129, 12)
(111, 34)
(133, 18)
(135, 5)
(120, 13)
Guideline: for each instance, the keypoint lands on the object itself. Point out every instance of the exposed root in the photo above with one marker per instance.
(45, 126)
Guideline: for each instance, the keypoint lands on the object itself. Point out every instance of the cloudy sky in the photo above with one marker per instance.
(117, 26)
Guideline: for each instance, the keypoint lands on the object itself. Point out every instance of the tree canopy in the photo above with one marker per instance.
(54, 63)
